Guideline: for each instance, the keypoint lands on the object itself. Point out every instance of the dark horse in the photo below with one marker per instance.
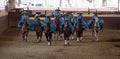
(66, 32)
(48, 33)
(79, 30)
(57, 24)
(25, 30)
(38, 30)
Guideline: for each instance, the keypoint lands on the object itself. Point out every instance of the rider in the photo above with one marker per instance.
(80, 16)
(69, 23)
(101, 22)
(48, 20)
(57, 13)
(24, 17)
(35, 22)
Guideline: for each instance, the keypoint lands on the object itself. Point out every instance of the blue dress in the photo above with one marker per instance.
(101, 22)
(21, 21)
(56, 14)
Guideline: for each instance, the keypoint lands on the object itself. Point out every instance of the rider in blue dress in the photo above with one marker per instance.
(35, 23)
(80, 17)
(24, 17)
(69, 23)
(57, 13)
(101, 21)
(48, 20)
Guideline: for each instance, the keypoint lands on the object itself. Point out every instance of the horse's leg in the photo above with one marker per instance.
(38, 37)
(81, 35)
(49, 41)
(54, 35)
(97, 32)
(78, 38)
(71, 36)
(93, 32)
(23, 35)
(26, 34)
(58, 35)
(66, 41)
(47, 37)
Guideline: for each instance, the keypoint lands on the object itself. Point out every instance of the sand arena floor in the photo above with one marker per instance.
(12, 46)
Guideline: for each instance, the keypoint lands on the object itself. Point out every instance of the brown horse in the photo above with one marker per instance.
(57, 24)
(79, 30)
(66, 32)
(95, 28)
(38, 30)
(48, 33)
(25, 30)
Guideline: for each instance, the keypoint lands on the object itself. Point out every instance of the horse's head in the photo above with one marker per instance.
(37, 18)
(25, 25)
(24, 20)
(66, 23)
(57, 18)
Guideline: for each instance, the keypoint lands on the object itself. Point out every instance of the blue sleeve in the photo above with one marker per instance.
(84, 25)
(52, 27)
(71, 27)
(89, 23)
(20, 24)
(42, 24)
(101, 22)
(29, 24)
(46, 20)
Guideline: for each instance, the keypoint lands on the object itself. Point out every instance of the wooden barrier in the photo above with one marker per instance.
(3, 23)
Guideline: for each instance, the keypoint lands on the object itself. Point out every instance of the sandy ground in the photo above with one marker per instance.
(12, 46)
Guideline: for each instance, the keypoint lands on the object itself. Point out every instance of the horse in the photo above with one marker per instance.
(66, 32)
(79, 30)
(25, 30)
(38, 30)
(48, 33)
(57, 24)
(95, 28)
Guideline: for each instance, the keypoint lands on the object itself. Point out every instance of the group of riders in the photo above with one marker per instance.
(60, 22)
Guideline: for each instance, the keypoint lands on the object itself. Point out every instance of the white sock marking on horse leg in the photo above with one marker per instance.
(81, 38)
(78, 39)
(25, 37)
(65, 42)
(72, 37)
(49, 43)
(97, 37)
(59, 38)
